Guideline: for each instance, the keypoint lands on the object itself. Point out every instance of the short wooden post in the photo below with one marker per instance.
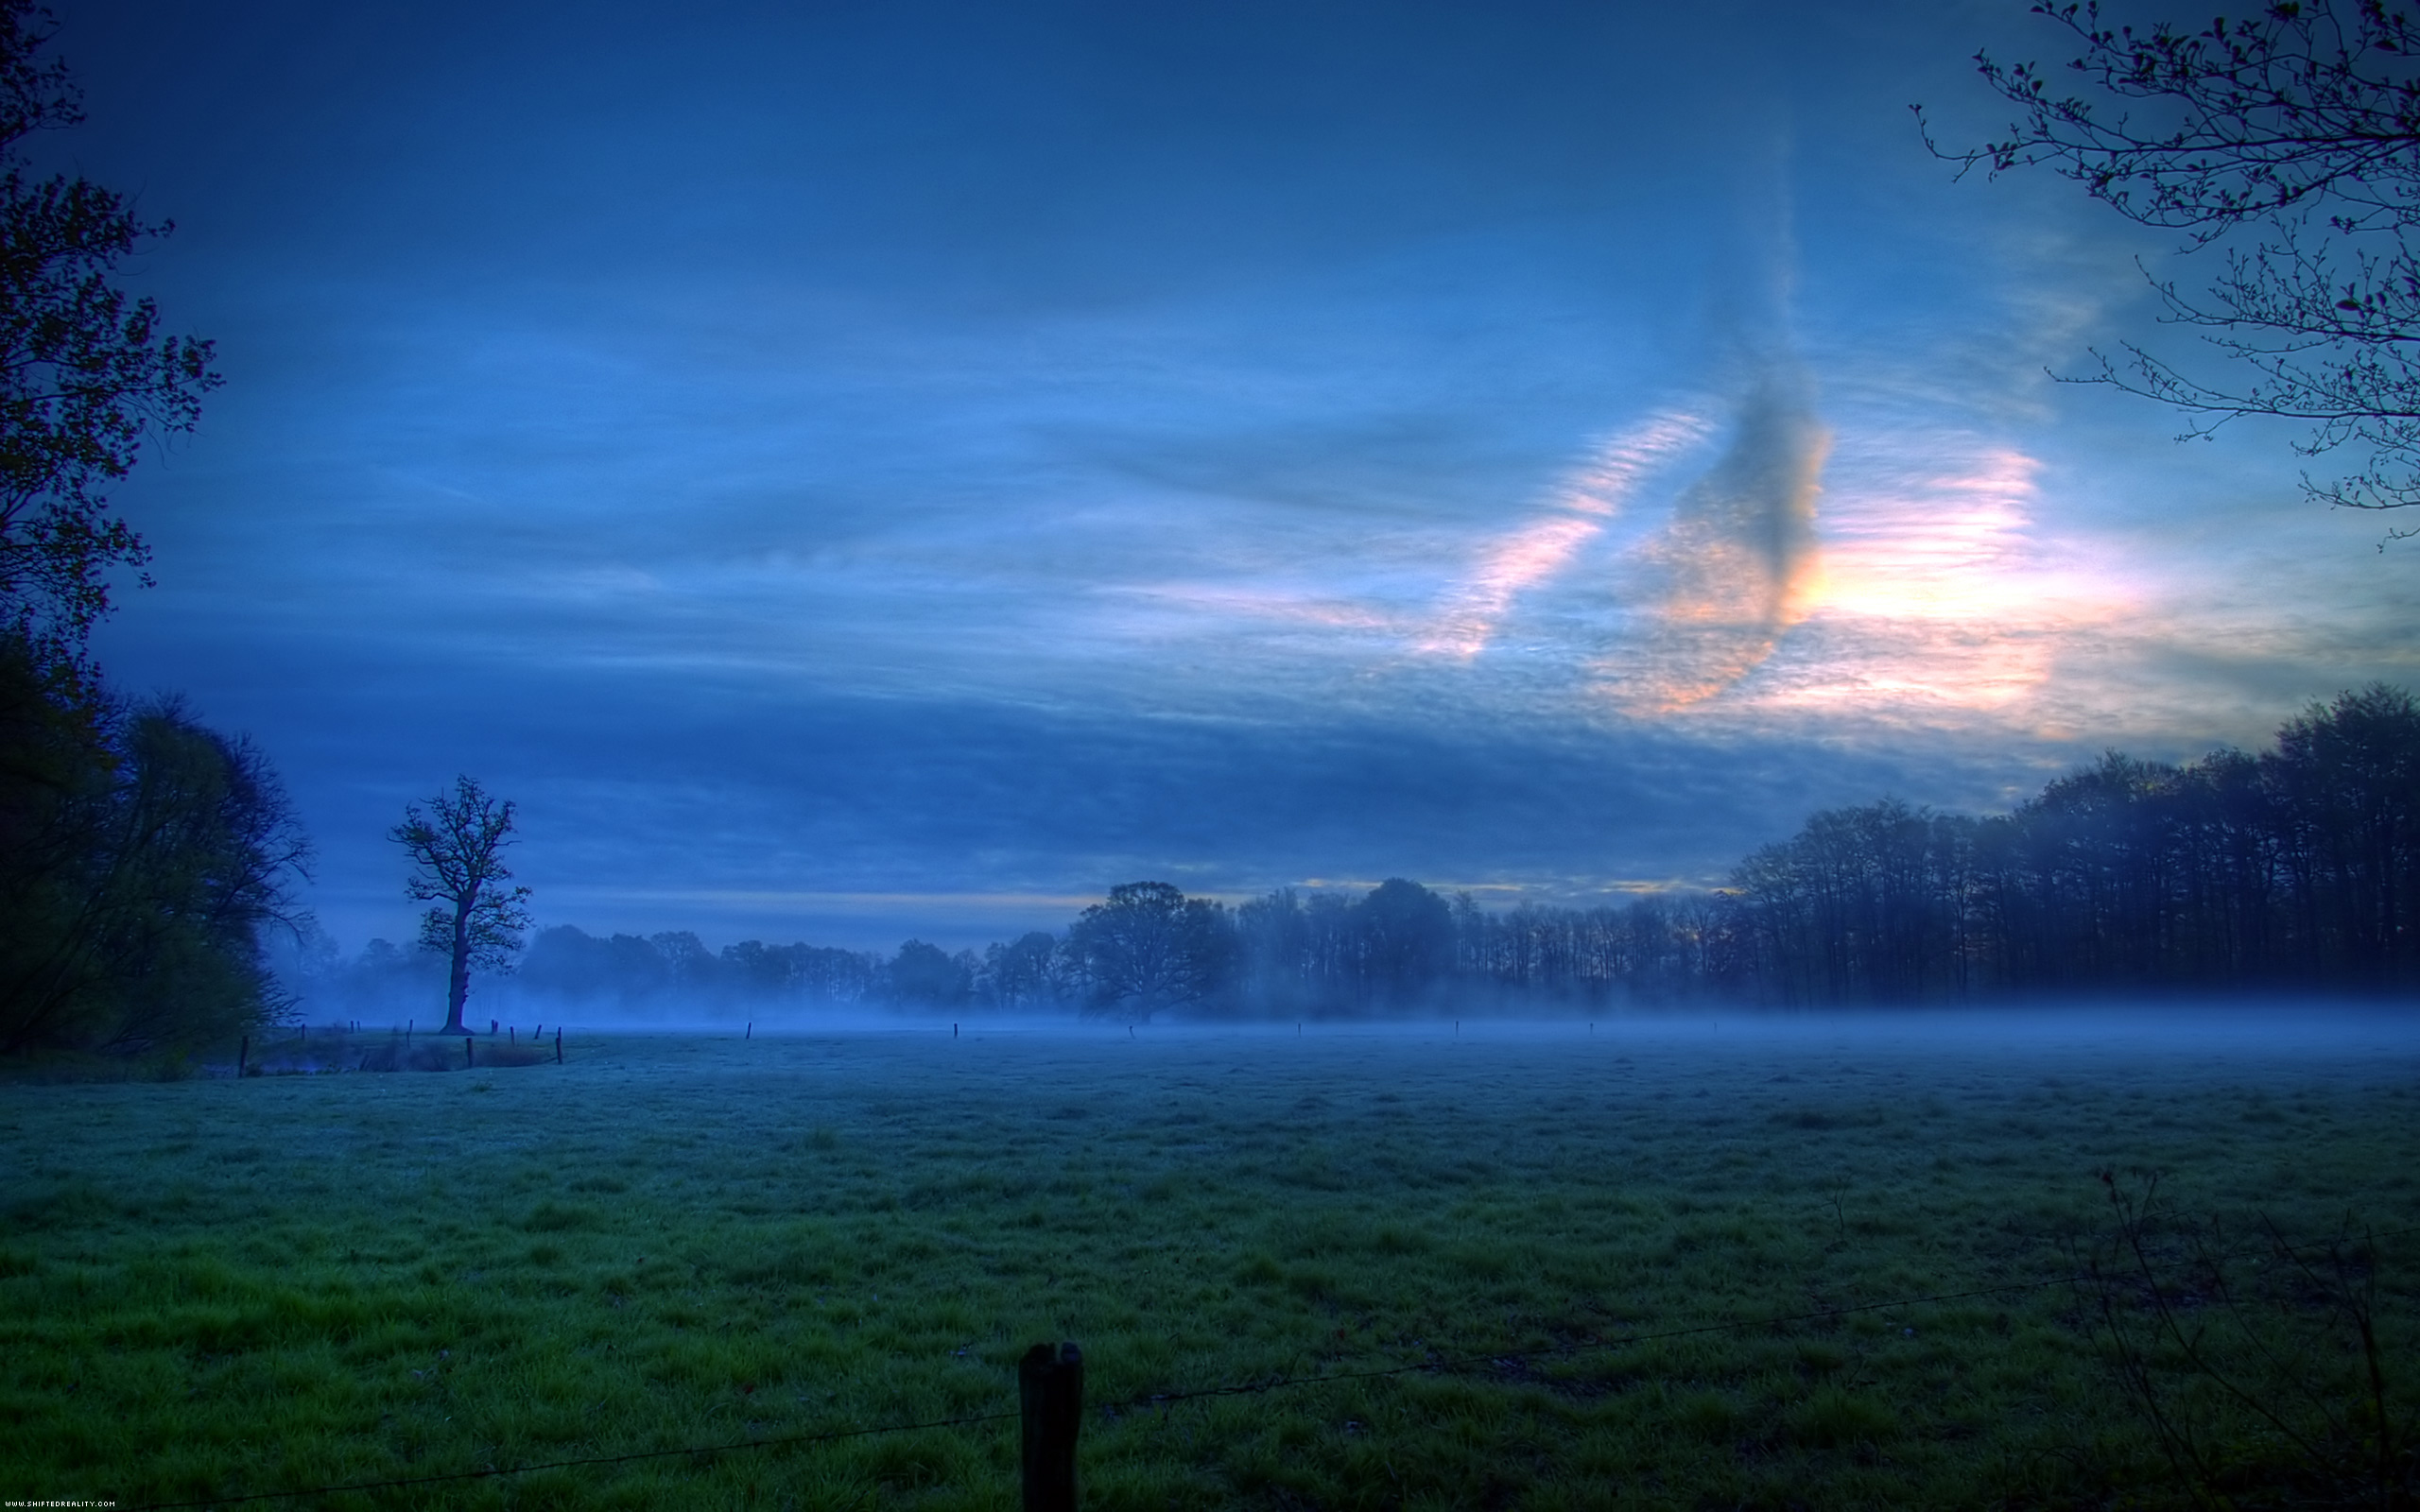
(468, 1059)
(243, 1055)
(752, 1030)
(559, 1044)
(511, 1036)
(1050, 1399)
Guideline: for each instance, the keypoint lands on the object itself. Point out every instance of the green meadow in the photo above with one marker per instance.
(213, 1288)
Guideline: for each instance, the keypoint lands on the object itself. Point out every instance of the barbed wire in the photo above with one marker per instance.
(1435, 1364)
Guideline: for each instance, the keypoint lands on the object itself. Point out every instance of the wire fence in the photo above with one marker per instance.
(1434, 1364)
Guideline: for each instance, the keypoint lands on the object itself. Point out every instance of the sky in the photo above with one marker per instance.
(849, 471)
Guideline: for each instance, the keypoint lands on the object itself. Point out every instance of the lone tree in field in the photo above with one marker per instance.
(2290, 140)
(457, 862)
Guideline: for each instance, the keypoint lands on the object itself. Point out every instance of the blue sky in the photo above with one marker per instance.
(851, 471)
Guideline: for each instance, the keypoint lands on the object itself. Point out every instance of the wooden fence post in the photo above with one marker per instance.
(469, 1059)
(1050, 1400)
(559, 1044)
(242, 1054)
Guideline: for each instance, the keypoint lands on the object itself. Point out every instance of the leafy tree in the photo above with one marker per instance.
(692, 969)
(83, 372)
(457, 854)
(142, 859)
(927, 976)
(1407, 935)
(2298, 128)
(1148, 947)
(1019, 973)
(2349, 772)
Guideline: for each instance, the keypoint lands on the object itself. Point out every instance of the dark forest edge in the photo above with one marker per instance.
(146, 862)
(2295, 869)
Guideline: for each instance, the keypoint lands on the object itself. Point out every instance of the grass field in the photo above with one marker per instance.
(210, 1288)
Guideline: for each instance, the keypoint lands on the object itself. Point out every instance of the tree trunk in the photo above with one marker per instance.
(457, 983)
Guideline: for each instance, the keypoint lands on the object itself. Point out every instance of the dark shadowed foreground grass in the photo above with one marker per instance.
(213, 1288)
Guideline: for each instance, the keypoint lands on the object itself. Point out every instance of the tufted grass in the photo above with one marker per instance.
(213, 1288)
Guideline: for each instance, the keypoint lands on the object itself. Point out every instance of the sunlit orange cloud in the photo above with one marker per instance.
(1579, 507)
(1938, 596)
(1728, 576)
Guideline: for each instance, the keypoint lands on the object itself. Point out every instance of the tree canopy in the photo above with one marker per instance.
(143, 857)
(1148, 947)
(85, 373)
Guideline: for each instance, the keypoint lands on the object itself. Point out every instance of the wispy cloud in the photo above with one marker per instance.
(1583, 503)
(1729, 573)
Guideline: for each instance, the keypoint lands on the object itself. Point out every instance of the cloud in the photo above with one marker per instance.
(1939, 598)
(1730, 571)
(1582, 504)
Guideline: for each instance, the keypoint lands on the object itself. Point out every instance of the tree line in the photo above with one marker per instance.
(2297, 866)
(2293, 867)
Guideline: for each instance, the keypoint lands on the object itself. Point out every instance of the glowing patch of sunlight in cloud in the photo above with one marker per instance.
(1582, 504)
(1937, 597)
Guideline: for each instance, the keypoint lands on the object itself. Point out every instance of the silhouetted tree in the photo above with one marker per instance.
(129, 901)
(2349, 775)
(456, 852)
(1019, 974)
(2300, 122)
(1149, 948)
(144, 858)
(1406, 939)
(925, 975)
(83, 373)
(690, 969)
